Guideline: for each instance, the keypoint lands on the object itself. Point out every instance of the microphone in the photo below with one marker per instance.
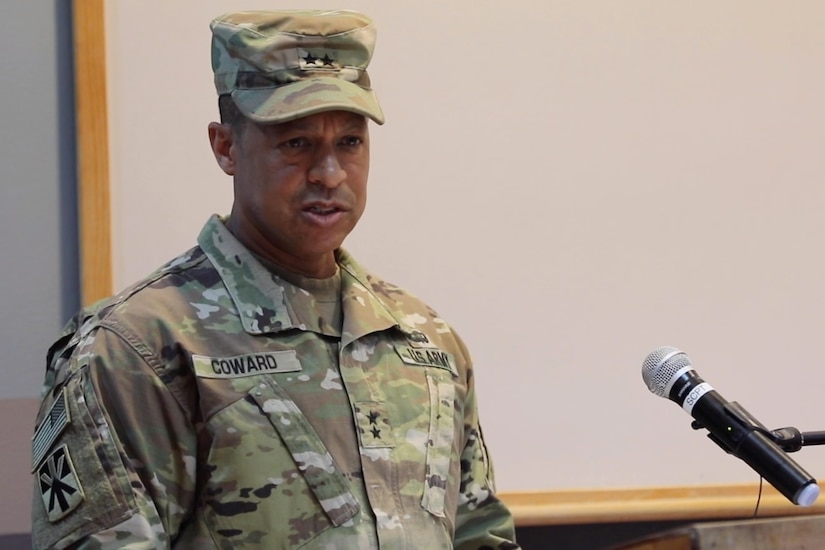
(668, 373)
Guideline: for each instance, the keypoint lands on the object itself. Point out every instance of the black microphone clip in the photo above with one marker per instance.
(741, 423)
(789, 439)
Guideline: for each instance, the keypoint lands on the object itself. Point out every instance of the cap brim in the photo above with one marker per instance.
(307, 97)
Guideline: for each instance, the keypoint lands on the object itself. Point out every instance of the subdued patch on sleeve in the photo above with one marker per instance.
(81, 486)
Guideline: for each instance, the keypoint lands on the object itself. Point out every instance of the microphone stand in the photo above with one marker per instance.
(790, 439)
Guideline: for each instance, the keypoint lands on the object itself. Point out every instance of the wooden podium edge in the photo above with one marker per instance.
(753, 534)
(711, 502)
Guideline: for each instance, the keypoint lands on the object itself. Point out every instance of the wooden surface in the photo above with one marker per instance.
(674, 541)
(650, 504)
(92, 151)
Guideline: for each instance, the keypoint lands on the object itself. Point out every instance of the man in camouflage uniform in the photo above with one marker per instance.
(263, 390)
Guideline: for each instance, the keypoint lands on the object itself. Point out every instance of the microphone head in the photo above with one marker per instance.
(661, 368)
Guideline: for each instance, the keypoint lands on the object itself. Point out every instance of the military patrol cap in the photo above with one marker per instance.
(283, 65)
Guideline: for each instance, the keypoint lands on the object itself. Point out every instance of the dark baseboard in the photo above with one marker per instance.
(602, 536)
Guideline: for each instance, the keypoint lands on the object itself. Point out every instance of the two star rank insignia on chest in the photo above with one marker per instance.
(374, 429)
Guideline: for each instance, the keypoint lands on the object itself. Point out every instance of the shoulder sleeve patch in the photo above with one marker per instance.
(59, 487)
(81, 485)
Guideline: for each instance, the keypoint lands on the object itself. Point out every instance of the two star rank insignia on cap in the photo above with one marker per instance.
(312, 62)
(56, 477)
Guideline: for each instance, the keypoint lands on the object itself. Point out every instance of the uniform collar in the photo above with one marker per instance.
(263, 301)
(260, 302)
(369, 303)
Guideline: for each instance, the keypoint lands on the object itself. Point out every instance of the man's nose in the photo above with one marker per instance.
(326, 169)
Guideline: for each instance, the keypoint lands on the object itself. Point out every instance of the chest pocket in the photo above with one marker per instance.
(440, 371)
(272, 481)
(440, 442)
(311, 456)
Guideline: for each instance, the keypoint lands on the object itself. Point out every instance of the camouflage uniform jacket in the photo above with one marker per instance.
(208, 407)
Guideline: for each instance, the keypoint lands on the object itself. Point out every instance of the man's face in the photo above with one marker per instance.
(300, 186)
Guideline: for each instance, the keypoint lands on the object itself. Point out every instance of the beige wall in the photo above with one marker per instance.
(571, 184)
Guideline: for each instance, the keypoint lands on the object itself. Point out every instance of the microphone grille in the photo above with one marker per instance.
(660, 366)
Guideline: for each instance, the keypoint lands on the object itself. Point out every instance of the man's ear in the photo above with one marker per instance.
(222, 140)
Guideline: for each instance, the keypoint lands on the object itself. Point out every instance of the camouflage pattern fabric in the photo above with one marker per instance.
(283, 65)
(209, 406)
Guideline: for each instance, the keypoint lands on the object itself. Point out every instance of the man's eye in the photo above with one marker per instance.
(352, 141)
(296, 143)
